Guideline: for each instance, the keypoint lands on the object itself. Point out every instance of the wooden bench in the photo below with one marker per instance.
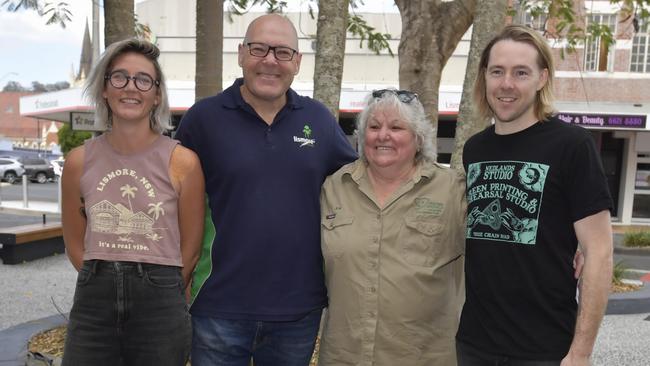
(28, 242)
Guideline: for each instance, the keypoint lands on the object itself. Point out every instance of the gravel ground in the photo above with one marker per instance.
(623, 340)
(28, 291)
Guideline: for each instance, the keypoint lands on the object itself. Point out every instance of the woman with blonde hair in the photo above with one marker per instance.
(133, 205)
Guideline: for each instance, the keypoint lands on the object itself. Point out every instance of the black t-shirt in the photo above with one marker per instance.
(524, 192)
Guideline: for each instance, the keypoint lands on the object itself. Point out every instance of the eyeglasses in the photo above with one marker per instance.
(281, 53)
(120, 79)
(404, 96)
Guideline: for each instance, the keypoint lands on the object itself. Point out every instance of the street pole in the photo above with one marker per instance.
(38, 134)
(95, 39)
(25, 200)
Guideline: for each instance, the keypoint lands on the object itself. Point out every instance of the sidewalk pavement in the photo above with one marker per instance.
(33, 207)
(34, 294)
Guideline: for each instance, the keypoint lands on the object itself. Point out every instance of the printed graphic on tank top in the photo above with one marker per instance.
(130, 204)
(121, 219)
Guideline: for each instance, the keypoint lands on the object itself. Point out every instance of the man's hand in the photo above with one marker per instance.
(571, 360)
(578, 263)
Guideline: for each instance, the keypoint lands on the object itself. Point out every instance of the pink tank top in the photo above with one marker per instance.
(131, 205)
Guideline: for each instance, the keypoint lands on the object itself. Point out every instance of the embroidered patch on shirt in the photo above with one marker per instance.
(426, 206)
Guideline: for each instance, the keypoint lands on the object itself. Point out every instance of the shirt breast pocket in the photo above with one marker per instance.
(334, 235)
(420, 241)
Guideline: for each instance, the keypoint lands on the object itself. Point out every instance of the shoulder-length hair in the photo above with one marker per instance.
(159, 119)
(544, 98)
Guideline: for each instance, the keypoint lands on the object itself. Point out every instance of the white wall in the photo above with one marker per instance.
(173, 23)
(643, 142)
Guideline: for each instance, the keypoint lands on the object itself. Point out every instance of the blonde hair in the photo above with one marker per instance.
(159, 119)
(544, 98)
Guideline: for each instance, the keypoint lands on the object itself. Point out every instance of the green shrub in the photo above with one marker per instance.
(619, 271)
(637, 239)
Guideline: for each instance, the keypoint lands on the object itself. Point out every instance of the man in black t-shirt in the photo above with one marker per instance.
(535, 189)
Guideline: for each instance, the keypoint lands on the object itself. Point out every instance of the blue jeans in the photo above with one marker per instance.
(127, 313)
(234, 342)
(470, 356)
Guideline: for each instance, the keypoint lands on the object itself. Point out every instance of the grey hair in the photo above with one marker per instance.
(159, 119)
(412, 113)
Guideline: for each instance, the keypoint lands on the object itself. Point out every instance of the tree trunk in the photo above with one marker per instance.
(119, 20)
(330, 51)
(431, 30)
(489, 18)
(209, 48)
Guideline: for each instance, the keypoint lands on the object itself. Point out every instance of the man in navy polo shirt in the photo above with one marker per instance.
(258, 290)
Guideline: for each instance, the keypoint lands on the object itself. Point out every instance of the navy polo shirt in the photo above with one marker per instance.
(261, 258)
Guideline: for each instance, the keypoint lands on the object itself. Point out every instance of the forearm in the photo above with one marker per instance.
(190, 257)
(75, 255)
(594, 289)
(186, 172)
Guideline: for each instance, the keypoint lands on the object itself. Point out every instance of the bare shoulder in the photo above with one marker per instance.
(74, 160)
(183, 161)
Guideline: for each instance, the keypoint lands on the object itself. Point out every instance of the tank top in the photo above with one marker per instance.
(130, 203)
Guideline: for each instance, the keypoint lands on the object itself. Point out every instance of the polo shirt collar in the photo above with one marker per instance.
(237, 101)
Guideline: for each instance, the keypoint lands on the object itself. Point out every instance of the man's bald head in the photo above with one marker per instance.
(277, 20)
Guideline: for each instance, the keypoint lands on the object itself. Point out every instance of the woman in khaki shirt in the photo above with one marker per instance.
(393, 244)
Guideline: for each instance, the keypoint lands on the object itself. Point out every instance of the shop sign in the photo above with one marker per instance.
(45, 104)
(84, 121)
(604, 120)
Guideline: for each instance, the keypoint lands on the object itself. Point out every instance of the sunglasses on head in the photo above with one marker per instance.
(404, 96)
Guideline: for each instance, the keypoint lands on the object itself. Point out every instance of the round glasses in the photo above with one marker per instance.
(142, 81)
(281, 53)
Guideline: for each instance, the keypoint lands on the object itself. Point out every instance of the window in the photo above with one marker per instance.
(538, 23)
(599, 57)
(642, 176)
(641, 202)
(640, 60)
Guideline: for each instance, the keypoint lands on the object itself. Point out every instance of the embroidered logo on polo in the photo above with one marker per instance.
(504, 199)
(132, 228)
(306, 140)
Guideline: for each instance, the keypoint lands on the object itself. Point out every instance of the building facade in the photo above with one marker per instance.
(29, 134)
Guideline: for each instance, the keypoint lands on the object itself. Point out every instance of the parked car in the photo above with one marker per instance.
(11, 169)
(38, 169)
(57, 165)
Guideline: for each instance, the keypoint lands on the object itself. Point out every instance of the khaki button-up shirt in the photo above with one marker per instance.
(394, 274)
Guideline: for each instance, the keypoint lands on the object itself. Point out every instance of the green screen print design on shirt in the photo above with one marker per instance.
(504, 200)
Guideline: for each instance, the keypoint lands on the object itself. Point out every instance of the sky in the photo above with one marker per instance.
(32, 51)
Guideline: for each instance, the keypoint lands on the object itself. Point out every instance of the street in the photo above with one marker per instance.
(47, 192)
